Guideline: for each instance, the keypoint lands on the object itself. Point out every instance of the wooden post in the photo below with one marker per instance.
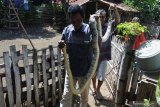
(36, 79)
(27, 72)
(16, 74)
(96, 5)
(134, 84)
(8, 78)
(53, 75)
(45, 78)
(125, 65)
(59, 72)
(129, 76)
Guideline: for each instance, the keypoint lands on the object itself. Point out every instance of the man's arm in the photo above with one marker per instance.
(61, 43)
(117, 16)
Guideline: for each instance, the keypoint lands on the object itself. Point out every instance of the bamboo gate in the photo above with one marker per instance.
(31, 78)
(113, 67)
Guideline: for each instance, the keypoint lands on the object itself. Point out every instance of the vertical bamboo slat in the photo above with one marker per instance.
(53, 76)
(16, 75)
(121, 86)
(27, 72)
(1, 94)
(36, 79)
(45, 78)
(8, 78)
(134, 84)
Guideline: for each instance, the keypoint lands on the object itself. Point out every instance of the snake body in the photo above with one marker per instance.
(109, 28)
(94, 63)
(108, 32)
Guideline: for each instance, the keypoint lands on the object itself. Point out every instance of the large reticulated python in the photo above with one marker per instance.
(95, 31)
(109, 28)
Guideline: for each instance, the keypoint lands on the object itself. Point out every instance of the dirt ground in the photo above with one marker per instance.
(42, 36)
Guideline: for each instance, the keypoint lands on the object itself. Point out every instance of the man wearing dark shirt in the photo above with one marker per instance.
(105, 50)
(78, 40)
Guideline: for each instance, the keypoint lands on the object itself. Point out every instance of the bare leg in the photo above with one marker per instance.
(99, 96)
(94, 84)
(99, 85)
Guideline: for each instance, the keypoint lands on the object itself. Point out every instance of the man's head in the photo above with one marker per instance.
(136, 19)
(76, 14)
(102, 14)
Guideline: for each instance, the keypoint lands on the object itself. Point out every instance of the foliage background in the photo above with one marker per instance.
(36, 13)
(149, 9)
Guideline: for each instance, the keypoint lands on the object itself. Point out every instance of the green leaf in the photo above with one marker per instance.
(147, 103)
(130, 29)
(147, 9)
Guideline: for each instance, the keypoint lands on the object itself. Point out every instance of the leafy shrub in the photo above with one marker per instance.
(130, 29)
(150, 9)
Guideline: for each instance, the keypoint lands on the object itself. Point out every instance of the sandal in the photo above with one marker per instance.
(93, 93)
(99, 96)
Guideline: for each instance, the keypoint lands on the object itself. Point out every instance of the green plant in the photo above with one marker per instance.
(31, 14)
(59, 7)
(3, 14)
(147, 103)
(149, 9)
(0, 2)
(130, 29)
(158, 92)
(36, 13)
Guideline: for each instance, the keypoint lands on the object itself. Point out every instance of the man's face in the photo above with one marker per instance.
(76, 20)
(103, 18)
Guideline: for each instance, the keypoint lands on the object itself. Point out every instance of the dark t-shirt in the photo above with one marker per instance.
(78, 48)
(105, 49)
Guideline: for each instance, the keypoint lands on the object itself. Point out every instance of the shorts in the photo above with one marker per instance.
(102, 68)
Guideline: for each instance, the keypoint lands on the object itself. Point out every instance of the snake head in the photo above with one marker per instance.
(92, 20)
(93, 25)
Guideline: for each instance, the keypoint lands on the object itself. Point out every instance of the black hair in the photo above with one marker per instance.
(74, 9)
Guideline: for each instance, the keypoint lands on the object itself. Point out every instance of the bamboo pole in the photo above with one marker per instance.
(96, 5)
(26, 34)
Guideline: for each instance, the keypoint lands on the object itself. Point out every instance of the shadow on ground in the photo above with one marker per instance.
(98, 103)
(35, 31)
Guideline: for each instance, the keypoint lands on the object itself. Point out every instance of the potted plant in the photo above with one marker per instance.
(158, 92)
(128, 31)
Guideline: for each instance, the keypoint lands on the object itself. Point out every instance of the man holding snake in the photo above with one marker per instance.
(78, 40)
(105, 48)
